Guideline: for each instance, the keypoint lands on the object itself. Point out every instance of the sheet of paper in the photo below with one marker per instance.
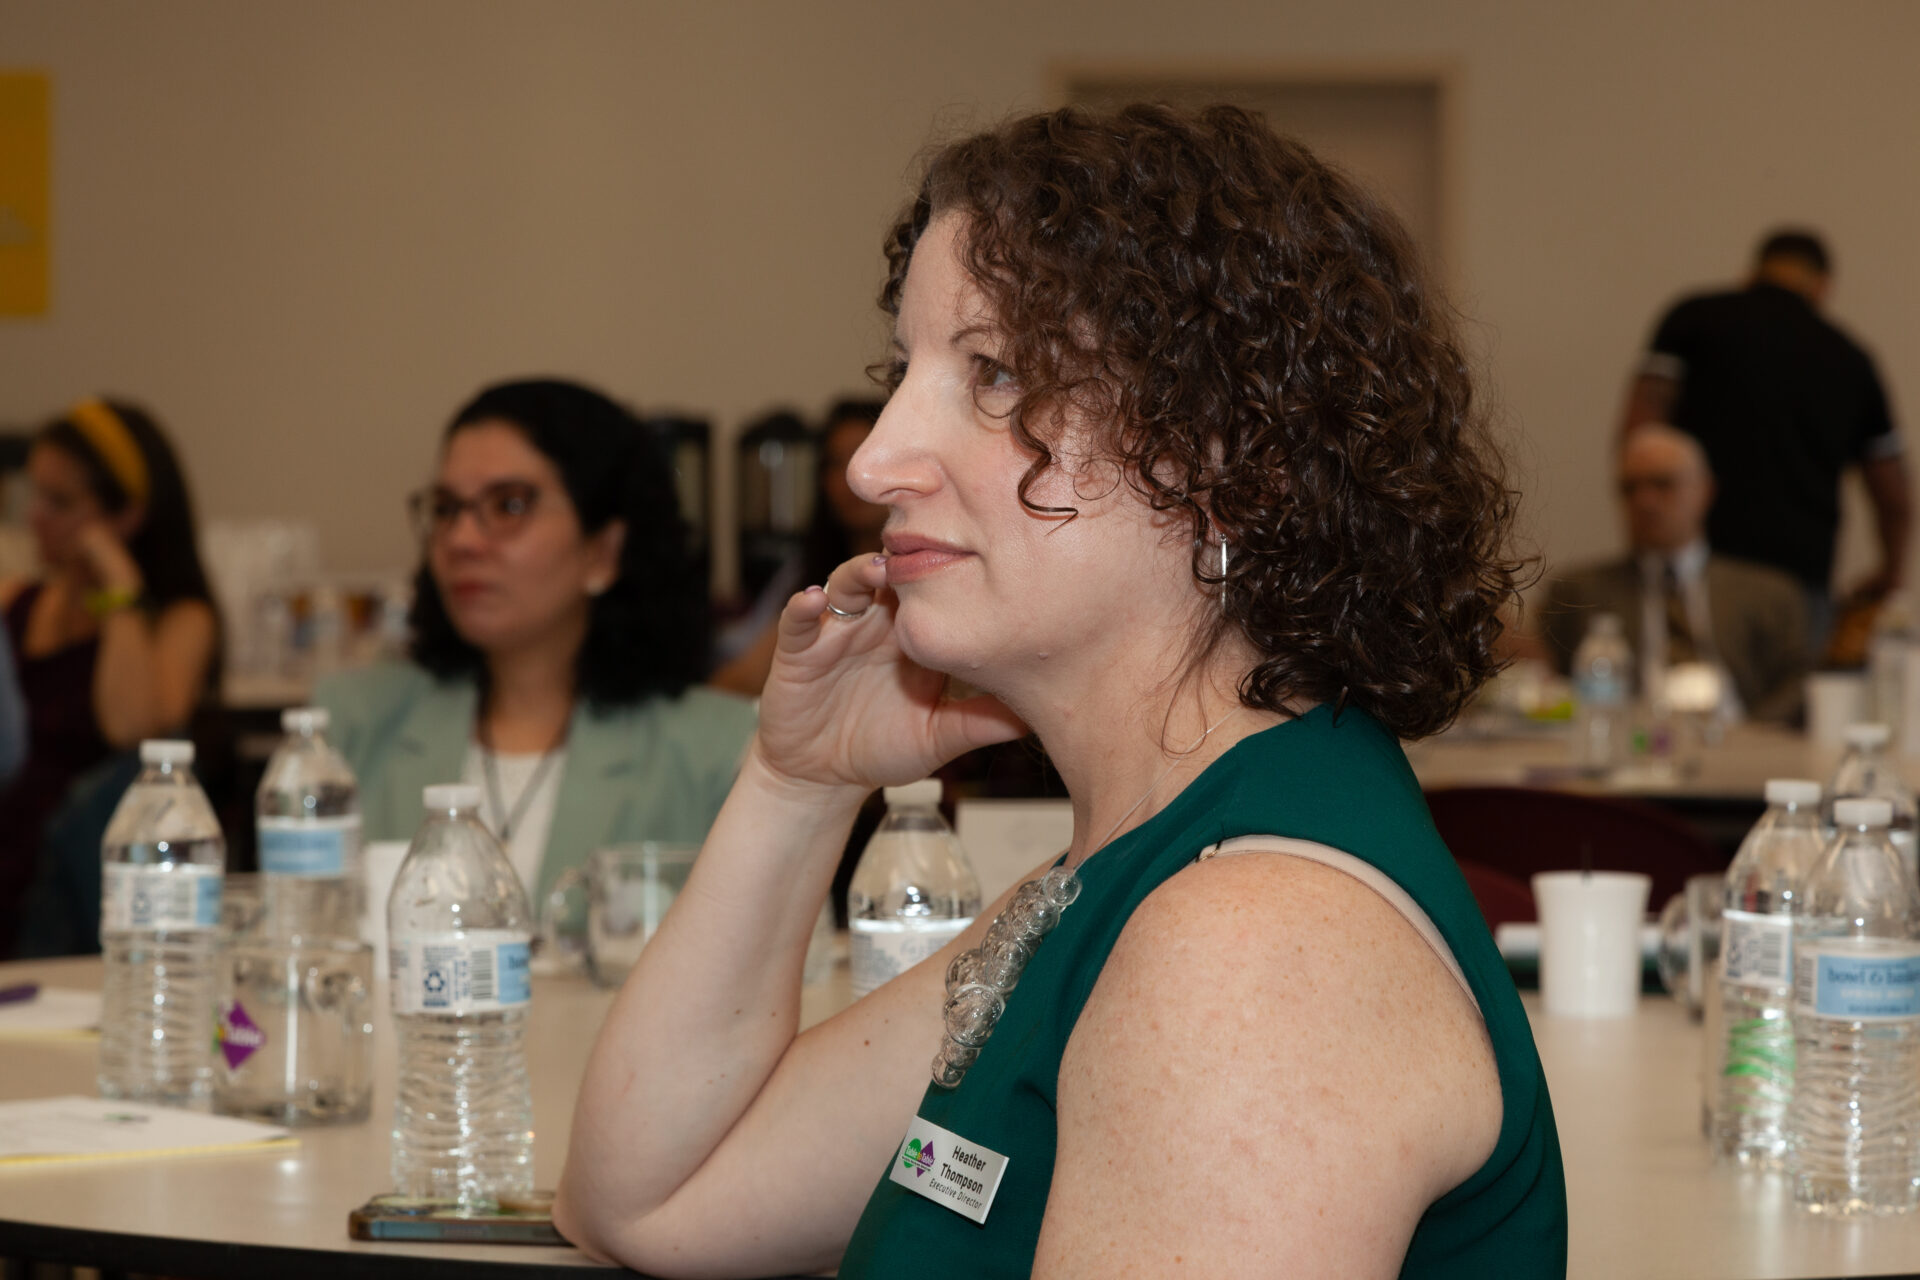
(56, 1010)
(96, 1128)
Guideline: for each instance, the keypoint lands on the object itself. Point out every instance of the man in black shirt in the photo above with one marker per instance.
(1783, 402)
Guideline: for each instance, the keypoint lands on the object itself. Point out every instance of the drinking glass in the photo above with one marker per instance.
(1690, 940)
(629, 888)
(293, 1034)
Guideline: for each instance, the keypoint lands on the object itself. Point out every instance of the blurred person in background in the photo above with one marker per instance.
(13, 713)
(844, 525)
(116, 641)
(1680, 600)
(559, 630)
(1784, 402)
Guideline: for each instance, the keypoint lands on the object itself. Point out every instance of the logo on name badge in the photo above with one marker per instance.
(916, 1157)
(238, 1036)
(962, 1175)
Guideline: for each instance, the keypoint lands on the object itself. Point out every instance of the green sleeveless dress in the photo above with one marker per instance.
(1342, 783)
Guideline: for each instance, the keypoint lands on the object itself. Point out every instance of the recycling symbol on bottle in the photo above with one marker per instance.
(436, 982)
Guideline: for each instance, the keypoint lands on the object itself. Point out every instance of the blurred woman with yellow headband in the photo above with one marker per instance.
(116, 640)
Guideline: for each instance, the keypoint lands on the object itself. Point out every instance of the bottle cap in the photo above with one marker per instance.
(1867, 735)
(304, 720)
(443, 796)
(1792, 791)
(1862, 811)
(925, 791)
(166, 751)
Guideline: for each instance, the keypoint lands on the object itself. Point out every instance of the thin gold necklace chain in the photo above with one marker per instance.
(1179, 759)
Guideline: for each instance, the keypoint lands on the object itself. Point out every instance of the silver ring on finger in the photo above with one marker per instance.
(849, 614)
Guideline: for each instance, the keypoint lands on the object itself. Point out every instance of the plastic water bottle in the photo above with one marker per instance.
(459, 930)
(1893, 637)
(1602, 694)
(326, 630)
(913, 892)
(1855, 1118)
(161, 865)
(307, 813)
(1867, 770)
(1755, 1081)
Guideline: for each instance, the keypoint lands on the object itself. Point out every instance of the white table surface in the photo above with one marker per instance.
(1647, 1200)
(296, 1197)
(258, 691)
(1735, 769)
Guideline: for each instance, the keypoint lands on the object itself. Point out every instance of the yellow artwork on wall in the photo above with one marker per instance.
(25, 164)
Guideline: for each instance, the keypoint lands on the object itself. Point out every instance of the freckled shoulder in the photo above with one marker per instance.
(1275, 1072)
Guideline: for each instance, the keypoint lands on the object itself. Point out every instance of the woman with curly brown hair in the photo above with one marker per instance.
(1182, 468)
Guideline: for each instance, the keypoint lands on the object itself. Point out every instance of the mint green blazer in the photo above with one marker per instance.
(657, 770)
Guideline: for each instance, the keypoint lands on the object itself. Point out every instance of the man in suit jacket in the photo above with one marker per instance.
(1678, 601)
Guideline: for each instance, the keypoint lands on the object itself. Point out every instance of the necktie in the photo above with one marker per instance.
(1681, 645)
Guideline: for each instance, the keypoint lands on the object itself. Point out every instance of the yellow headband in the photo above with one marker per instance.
(114, 445)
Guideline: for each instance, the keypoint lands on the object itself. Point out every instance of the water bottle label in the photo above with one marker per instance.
(883, 954)
(1756, 950)
(180, 895)
(1601, 691)
(479, 971)
(321, 848)
(1840, 980)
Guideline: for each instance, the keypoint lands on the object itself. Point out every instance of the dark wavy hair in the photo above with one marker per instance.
(1255, 336)
(647, 633)
(166, 544)
(827, 545)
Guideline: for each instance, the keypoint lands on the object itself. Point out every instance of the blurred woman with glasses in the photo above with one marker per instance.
(559, 629)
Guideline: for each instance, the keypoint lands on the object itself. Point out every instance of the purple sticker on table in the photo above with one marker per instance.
(238, 1035)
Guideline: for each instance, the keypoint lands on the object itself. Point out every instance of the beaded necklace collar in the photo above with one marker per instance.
(978, 981)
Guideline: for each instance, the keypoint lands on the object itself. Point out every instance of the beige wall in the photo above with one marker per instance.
(304, 232)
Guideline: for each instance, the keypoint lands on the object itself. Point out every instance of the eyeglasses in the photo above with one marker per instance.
(500, 510)
(1662, 483)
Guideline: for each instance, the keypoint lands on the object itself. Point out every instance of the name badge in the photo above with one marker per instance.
(948, 1170)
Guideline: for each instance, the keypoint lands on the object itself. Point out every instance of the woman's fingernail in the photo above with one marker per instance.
(814, 590)
(880, 559)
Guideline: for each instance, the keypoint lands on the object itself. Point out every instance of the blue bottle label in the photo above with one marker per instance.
(1861, 980)
(172, 896)
(478, 971)
(315, 847)
(207, 890)
(1600, 691)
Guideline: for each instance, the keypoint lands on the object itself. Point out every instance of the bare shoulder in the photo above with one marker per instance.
(189, 618)
(1275, 1074)
(190, 611)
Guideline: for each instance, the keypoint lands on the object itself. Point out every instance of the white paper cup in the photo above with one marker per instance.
(1835, 699)
(1590, 941)
(379, 863)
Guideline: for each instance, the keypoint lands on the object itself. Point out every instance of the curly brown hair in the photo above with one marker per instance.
(1258, 335)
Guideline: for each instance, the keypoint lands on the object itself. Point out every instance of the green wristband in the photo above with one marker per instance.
(111, 600)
